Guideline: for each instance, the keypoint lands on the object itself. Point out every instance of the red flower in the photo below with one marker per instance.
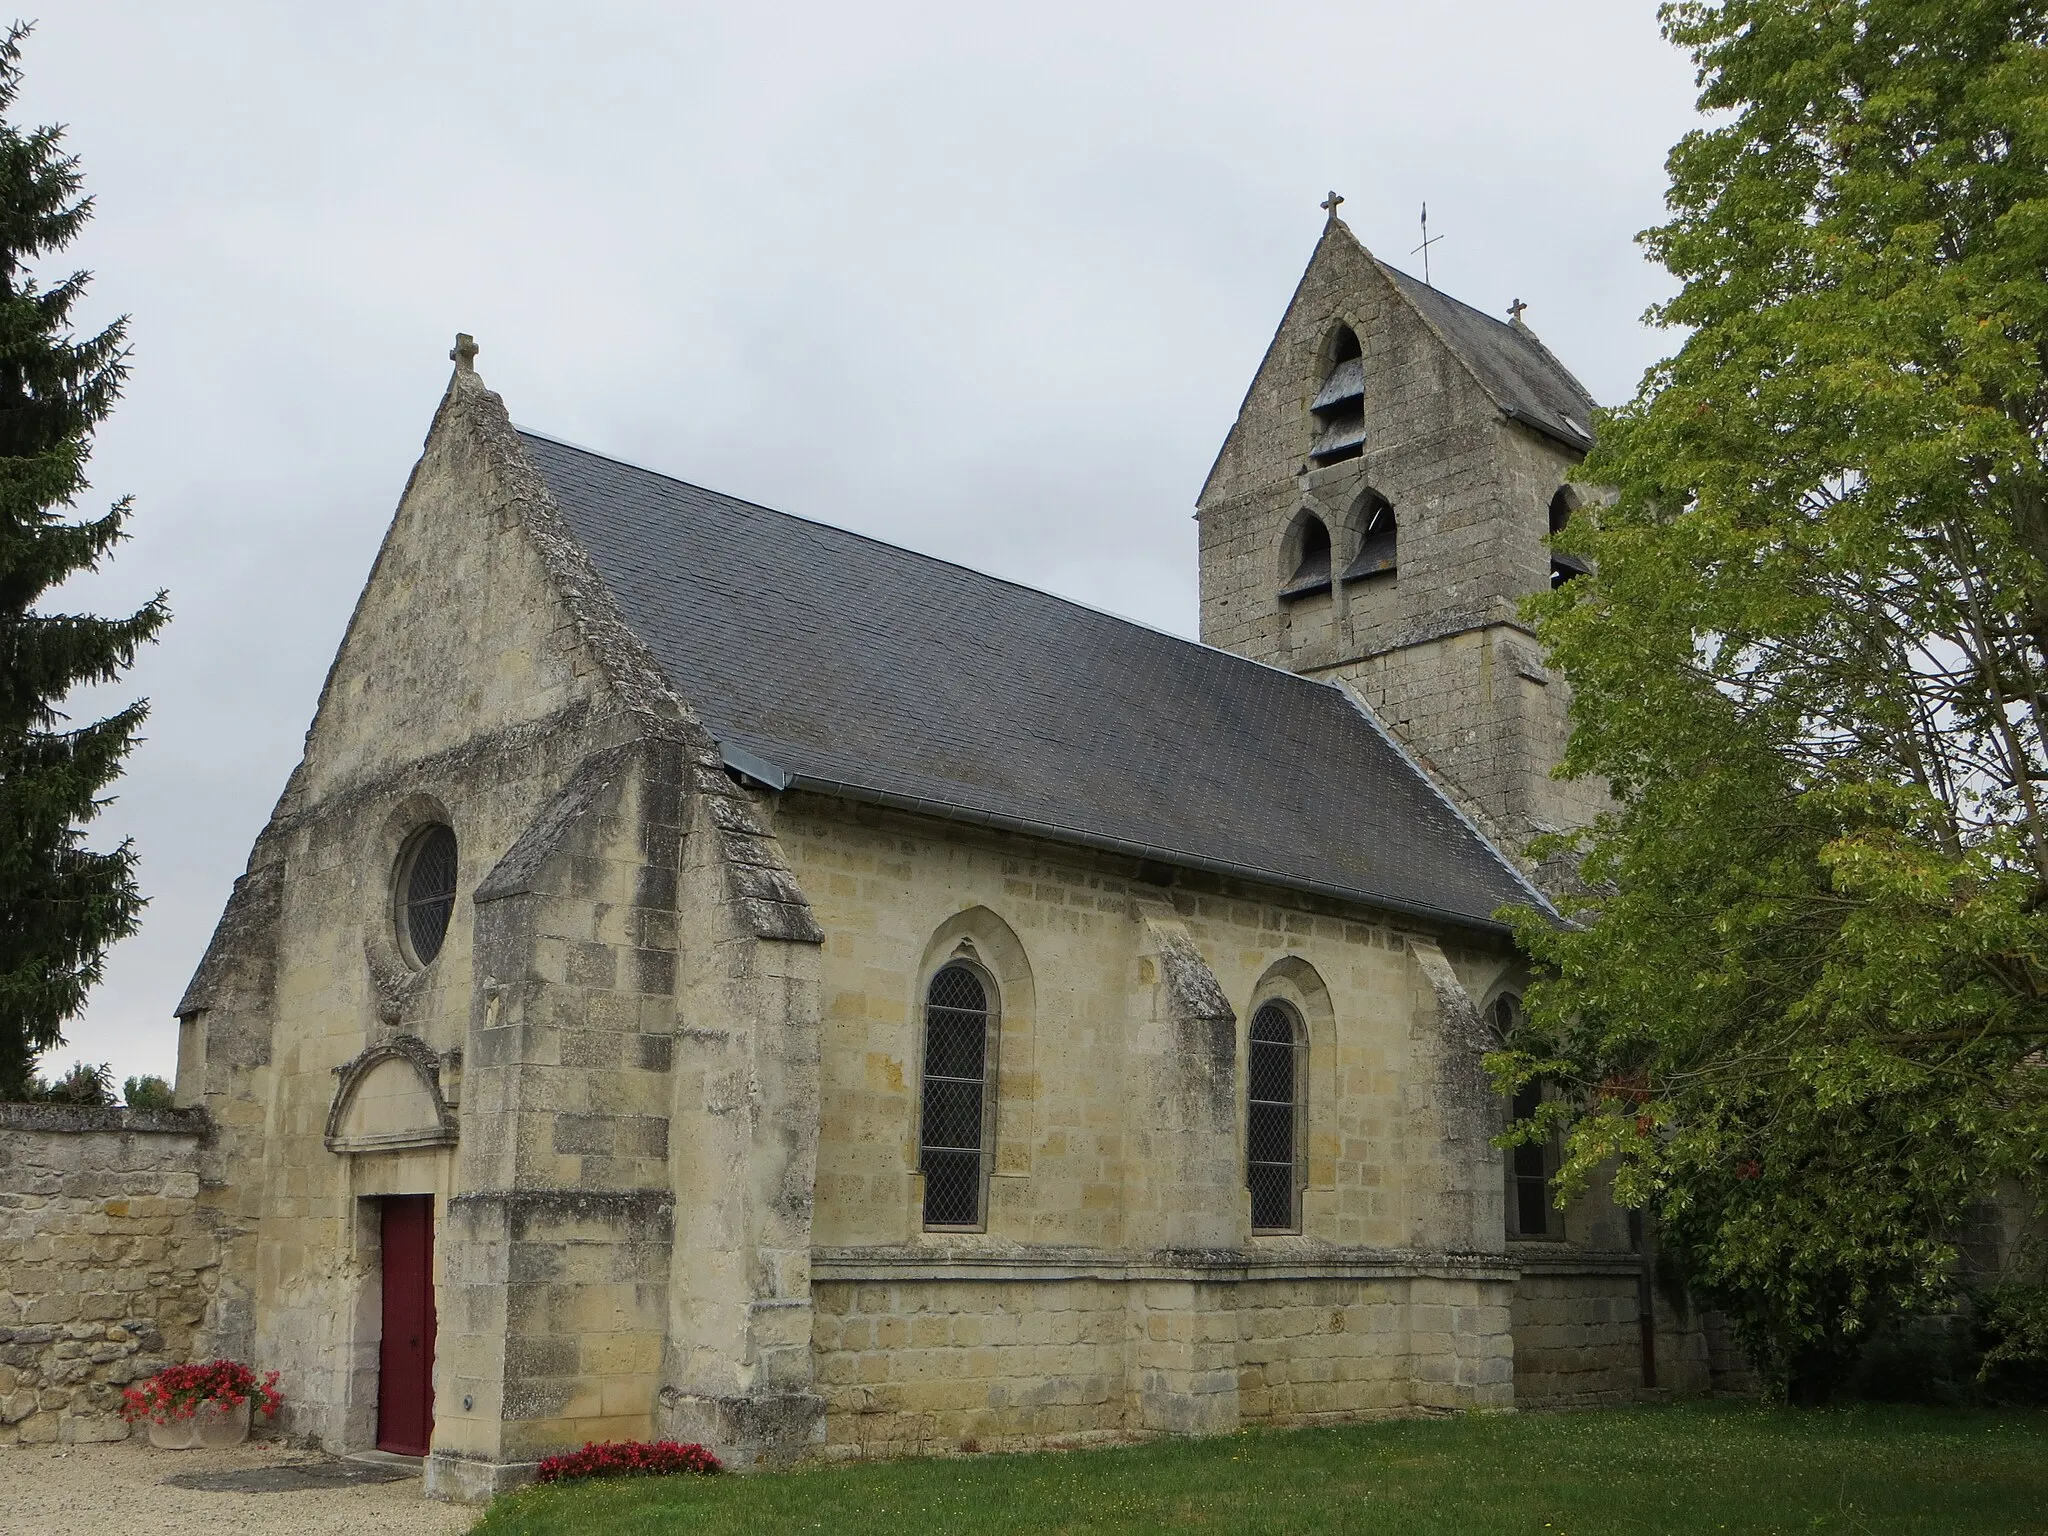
(176, 1391)
(628, 1458)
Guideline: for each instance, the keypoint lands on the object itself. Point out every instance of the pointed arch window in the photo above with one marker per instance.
(1379, 539)
(958, 1112)
(1563, 567)
(1531, 1165)
(1339, 406)
(1274, 1121)
(1310, 539)
(1529, 1212)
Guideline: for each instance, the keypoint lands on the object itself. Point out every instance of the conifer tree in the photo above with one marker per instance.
(62, 904)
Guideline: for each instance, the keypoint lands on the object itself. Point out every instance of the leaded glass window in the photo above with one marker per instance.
(1272, 1118)
(426, 893)
(953, 1151)
(1531, 1165)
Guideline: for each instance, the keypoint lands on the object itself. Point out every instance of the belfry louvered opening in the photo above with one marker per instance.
(1273, 1119)
(1563, 567)
(1379, 540)
(1309, 539)
(426, 893)
(1339, 406)
(958, 1057)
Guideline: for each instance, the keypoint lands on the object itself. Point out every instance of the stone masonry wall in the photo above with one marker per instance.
(105, 1264)
(909, 1367)
(1094, 1303)
(1579, 1339)
(923, 1365)
(1060, 934)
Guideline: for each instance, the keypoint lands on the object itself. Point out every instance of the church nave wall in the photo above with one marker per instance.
(1072, 1143)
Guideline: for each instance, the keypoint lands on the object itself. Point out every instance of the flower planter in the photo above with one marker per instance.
(201, 1405)
(211, 1426)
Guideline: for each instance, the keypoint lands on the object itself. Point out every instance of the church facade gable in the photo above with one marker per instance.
(481, 674)
(462, 623)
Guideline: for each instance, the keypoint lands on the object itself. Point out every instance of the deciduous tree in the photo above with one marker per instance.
(1804, 1010)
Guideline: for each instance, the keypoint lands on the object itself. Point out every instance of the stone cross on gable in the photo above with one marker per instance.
(1515, 311)
(1329, 204)
(463, 354)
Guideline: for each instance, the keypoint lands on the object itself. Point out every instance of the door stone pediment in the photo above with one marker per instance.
(389, 1098)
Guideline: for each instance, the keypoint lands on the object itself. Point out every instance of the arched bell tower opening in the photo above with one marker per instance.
(1563, 567)
(1379, 538)
(1307, 592)
(1305, 557)
(1338, 411)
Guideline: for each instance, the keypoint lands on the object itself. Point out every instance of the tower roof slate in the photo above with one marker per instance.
(825, 660)
(1524, 379)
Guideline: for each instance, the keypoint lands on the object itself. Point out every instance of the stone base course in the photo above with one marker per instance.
(913, 1366)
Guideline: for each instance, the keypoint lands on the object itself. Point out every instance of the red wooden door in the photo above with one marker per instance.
(405, 1360)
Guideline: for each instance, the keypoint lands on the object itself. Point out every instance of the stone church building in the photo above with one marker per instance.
(715, 975)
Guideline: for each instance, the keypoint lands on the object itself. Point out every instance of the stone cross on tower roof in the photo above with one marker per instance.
(463, 354)
(1515, 311)
(1329, 204)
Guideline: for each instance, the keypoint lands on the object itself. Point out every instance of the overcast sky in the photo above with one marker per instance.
(985, 281)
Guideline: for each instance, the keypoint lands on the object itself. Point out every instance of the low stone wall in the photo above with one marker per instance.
(1314, 1350)
(105, 1265)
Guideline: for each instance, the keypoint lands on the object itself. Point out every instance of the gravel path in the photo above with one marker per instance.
(92, 1490)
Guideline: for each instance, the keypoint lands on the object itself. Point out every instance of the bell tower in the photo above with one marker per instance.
(1379, 508)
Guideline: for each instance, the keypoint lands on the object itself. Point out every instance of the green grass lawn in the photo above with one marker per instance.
(1692, 1467)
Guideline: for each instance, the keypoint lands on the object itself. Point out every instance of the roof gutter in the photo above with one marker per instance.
(771, 776)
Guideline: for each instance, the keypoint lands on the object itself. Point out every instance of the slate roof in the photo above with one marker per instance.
(826, 660)
(1512, 366)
